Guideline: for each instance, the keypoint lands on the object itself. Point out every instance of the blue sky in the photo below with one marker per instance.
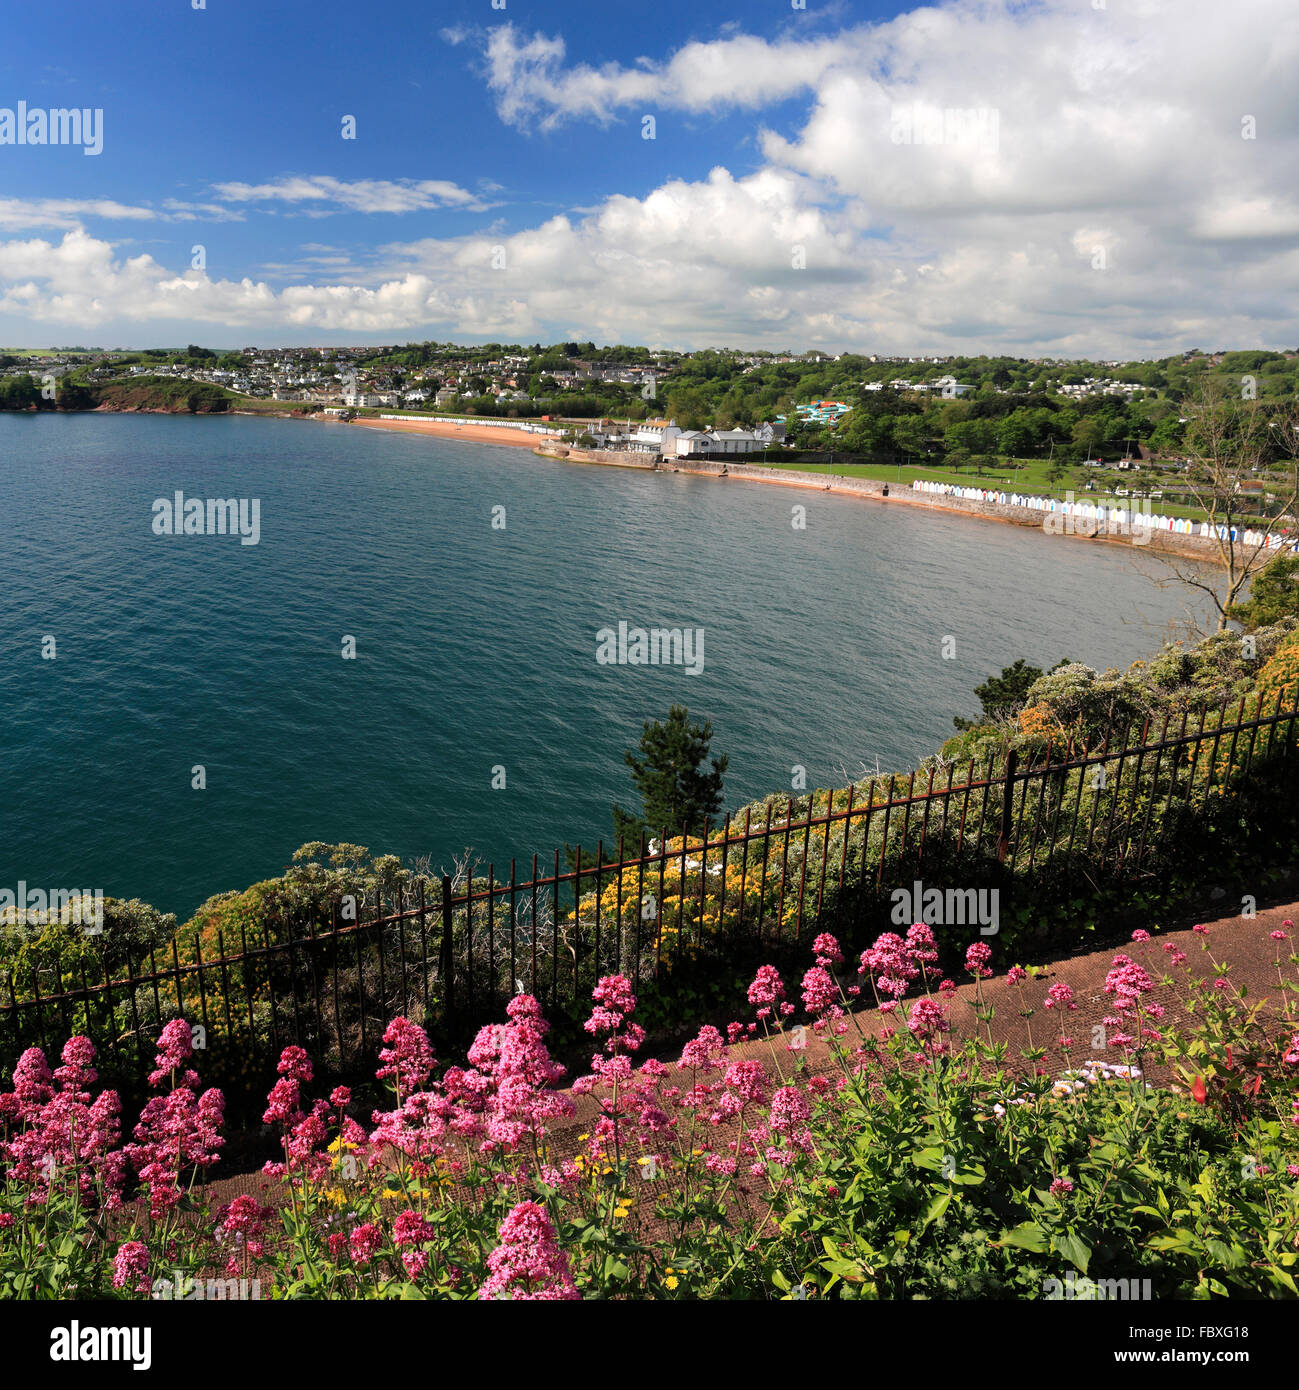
(1084, 185)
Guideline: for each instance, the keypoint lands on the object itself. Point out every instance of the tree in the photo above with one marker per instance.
(679, 788)
(1004, 695)
(1273, 595)
(1229, 442)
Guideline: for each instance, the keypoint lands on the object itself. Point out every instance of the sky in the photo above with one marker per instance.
(1100, 178)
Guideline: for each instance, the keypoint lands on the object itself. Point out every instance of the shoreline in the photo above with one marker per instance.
(475, 434)
(870, 490)
(547, 446)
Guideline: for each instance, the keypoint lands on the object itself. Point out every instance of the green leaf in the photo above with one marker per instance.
(1028, 1236)
(1073, 1248)
(934, 1210)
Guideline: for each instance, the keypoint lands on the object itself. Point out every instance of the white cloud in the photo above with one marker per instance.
(1062, 131)
(21, 214)
(357, 195)
(532, 78)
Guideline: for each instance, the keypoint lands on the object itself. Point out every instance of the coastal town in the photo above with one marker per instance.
(1044, 428)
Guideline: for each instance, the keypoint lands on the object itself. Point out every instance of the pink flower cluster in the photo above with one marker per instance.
(889, 965)
(528, 1263)
(977, 956)
(51, 1130)
(179, 1132)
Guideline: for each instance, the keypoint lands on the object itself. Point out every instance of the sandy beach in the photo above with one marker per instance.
(474, 434)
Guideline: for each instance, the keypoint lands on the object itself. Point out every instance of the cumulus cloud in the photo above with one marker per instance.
(534, 81)
(1044, 178)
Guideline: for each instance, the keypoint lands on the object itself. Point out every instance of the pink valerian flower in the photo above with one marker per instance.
(928, 1022)
(414, 1262)
(789, 1109)
(180, 1132)
(889, 965)
(175, 1048)
(977, 956)
(1061, 1186)
(767, 990)
(745, 1083)
(1140, 935)
(244, 1220)
(65, 1134)
(364, 1243)
(283, 1104)
(706, 1052)
(32, 1082)
(1279, 936)
(411, 1228)
(509, 1091)
(921, 946)
(420, 1127)
(77, 1073)
(614, 1005)
(1127, 981)
(1201, 929)
(407, 1057)
(820, 992)
(295, 1064)
(176, 1133)
(1292, 1052)
(340, 1097)
(1175, 956)
(528, 1264)
(1060, 996)
(827, 951)
(1015, 974)
(131, 1267)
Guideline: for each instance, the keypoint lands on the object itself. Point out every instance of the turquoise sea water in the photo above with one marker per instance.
(476, 647)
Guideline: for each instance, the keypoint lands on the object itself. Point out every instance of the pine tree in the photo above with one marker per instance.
(679, 788)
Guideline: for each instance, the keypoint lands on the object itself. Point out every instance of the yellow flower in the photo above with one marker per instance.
(670, 1282)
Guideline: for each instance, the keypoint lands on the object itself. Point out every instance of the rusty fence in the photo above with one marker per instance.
(450, 952)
